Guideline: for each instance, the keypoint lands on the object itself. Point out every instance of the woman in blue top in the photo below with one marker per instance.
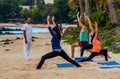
(57, 50)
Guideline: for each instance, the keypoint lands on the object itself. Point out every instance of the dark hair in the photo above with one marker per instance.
(93, 37)
(57, 25)
(57, 31)
(26, 18)
(93, 26)
(78, 9)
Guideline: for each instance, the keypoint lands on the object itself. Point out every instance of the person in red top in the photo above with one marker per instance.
(96, 49)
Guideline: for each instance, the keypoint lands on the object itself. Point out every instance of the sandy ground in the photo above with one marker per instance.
(13, 65)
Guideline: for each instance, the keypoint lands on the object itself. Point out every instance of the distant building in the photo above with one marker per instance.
(48, 1)
(25, 6)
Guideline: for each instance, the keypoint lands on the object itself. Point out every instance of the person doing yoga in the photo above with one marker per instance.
(57, 50)
(83, 36)
(96, 49)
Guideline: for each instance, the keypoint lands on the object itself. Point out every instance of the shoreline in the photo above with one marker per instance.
(36, 25)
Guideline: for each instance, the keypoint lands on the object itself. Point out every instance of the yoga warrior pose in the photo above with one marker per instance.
(92, 32)
(96, 49)
(57, 50)
(83, 36)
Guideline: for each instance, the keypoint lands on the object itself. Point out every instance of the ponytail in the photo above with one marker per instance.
(56, 29)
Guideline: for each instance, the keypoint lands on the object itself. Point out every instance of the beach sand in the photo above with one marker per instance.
(13, 65)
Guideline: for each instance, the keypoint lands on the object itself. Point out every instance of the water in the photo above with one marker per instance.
(18, 31)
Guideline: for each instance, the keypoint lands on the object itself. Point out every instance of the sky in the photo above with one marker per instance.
(48, 1)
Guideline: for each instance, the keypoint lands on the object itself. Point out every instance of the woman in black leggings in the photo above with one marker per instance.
(92, 31)
(90, 45)
(57, 50)
(96, 49)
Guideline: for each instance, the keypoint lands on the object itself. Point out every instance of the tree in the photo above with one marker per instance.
(28, 2)
(97, 6)
(73, 4)
(40, 3)
(4, 12)
(9, 9)
(87, 7)
(81, 10)
(15, 8)
(113, 16)
(62, 11)
(24, 13)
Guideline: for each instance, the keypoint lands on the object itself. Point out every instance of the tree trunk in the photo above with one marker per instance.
(87, 7)
(113, 16)
(35, 3)
(81, 10)
(97, 7)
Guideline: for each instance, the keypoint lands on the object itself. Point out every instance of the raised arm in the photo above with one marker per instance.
(53, 20)
(48, 21)
(90, 24)
(79, 21)
(96, 29)
(49, 27)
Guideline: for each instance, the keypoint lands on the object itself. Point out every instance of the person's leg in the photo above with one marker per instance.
(66, 57)
(28, 49)
(47, 56)
(105, 53)
(73, 48)
(92, 55)
(26, 52)
(88, 46)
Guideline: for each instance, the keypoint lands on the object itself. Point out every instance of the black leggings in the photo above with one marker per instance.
(93, 54)
(88, 46)
(54, 54)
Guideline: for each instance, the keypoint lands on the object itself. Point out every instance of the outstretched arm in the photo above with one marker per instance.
(90, 24)
(48, 21)
(79, 21)
(49, 27)
(53, 20)
(96, 29)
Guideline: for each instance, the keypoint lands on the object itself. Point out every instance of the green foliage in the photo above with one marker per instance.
(108, 42)
(40, 4)
(99, 17)
(9, 9)
(73, 36)
(62, 10)
(72, 13)
(103, 20)
(116, 50)
(69, 40)
(24, 13)
(118, 13)
(111, 43)
(117, 37)
(117, 40)
(73, 4)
